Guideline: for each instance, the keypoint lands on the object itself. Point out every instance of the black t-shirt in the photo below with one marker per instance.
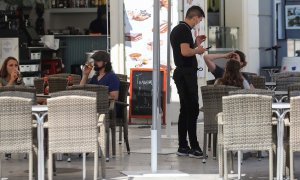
(98, 26)
(182, 34)
(218, 73)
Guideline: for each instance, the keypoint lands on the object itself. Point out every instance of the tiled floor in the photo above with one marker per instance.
(139, 161)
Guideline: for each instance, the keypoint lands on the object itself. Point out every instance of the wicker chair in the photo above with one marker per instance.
(57, 84)
(102, 108)
(253, 91)
(283, 83)
(212, 105)
(76, 77)
(258, 82)
(276, 76)
(72, 123)
(122, 77)
(247, 125)
(294, 130)
(18, 89)
(121, 114)
(16, 128)
(38, 84)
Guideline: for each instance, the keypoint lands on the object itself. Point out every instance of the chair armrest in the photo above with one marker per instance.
(101, 120)
(121, 103)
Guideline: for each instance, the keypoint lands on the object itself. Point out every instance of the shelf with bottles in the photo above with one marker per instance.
(76, 4)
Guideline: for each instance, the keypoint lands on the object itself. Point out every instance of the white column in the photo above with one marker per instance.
(117, 36)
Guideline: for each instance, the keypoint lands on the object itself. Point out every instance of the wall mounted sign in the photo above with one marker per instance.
(292, 16)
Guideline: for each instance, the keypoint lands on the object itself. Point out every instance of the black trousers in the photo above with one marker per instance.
(186, 83)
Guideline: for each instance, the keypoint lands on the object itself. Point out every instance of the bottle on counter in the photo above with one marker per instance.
(61, 4)
(53, 3)
(46, 86)
(70, 80)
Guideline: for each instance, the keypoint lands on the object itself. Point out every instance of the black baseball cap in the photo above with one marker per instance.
(101, 56)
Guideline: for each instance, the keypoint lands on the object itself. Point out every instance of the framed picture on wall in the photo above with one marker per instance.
(292, 16)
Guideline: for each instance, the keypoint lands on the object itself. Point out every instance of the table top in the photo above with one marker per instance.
(281, 92)
(270, 83)
(39, 108)
(43, 96)
(280, 105)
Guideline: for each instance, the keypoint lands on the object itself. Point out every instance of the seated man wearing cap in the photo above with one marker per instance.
(104, 74)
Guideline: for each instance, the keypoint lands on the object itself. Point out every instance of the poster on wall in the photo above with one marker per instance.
(9, 47)
(196, 31)
(139, 33)
(292, 15)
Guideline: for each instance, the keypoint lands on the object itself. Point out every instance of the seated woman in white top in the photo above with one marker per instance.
(232, 76)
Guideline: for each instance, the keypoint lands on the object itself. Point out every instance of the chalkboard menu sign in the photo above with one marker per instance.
(141, 92)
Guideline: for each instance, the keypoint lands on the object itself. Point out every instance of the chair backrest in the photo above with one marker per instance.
(293, 87)
(57, 84)
(74, 93)
(76, 77)
(294, 93)
(122, 77)
(258, 82)
(212, 104)
(102, 95)
(17, 92)
(15, 124)
(276, 76)
(38, 84)
(247, 122)
(72, 123)
(295, 122)
(123, 91)
(21, 94)
(253, 91)
(283, 83)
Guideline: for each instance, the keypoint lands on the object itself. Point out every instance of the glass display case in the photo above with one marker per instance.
(223, 39)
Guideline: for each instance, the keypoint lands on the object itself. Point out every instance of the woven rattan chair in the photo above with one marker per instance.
(247, 125)
(57, 84)
(76, 77)
(276, 76)
(72, 123)
(283, 83)
(29, 92)
(16, 127)
(102, 108)
(294, 129)
(258, 82)
(253, 91)
(121, 113)
(38, 84)
(212, 105)
(122, 77)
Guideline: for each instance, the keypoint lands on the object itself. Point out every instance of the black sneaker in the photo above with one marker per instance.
(196, 154)
(183, 151)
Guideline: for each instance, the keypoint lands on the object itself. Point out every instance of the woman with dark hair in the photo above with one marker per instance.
(104, 74)
(218, 72)
(232, 76)
(10, 72)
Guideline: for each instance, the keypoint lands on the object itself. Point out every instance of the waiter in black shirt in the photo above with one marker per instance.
(185, 77)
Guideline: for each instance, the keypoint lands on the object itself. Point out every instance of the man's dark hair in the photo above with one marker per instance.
(194, 11)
